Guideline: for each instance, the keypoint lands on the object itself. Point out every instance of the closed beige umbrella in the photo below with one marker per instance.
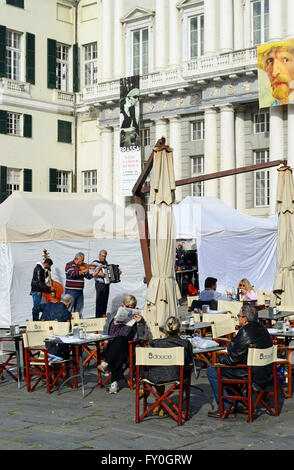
(283, 289)
(163, 291)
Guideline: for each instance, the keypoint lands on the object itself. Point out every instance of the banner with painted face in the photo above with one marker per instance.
(130, 143)
(275, 63)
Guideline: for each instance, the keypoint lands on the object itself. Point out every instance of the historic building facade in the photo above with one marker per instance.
(60, 65)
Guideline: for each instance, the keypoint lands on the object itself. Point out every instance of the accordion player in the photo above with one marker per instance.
(112, 273)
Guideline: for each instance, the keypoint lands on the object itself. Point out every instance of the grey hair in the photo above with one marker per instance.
(79, 255)
(250, 313)
(102, 251)
(172, 326)
(66, 298)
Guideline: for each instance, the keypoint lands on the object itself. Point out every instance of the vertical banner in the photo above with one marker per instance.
(130, 144)
(276, 73)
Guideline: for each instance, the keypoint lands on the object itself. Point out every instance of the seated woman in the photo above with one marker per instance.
(160, 374)
(247, 290)
(125, 326)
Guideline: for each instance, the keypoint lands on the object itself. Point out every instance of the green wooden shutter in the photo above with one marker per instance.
(52, 180)
(76, 78)
(16, 3)
(64, 131)
(30, 58)
(2, 51)
(3, 122)
(27, 179)
(51, 63)
(27, 125)
(3, 183)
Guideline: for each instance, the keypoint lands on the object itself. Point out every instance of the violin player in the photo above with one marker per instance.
(38, 284)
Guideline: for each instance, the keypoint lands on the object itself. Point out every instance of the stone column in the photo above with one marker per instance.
(247, 24)
(275, 20)
(210, 150)
(117, 197)
(226, 26)
(161, 34)
(160, 129)
(106, 156)
(174, 34)
(210, 30)
(106, 37)
(240, 158)
(175, 143)
(118, 38)
(238, 25)
(276, 151)
(290, 156)
(227, 154)
(290, 16)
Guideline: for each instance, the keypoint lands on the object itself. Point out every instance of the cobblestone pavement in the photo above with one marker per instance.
(66, 421)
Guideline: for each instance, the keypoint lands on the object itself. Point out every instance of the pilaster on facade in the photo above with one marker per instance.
(106, 162)
(240, 147)
(227, 153)
(175, 142)
(210, 148)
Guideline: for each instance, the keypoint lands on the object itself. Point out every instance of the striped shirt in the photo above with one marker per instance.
(75, 280)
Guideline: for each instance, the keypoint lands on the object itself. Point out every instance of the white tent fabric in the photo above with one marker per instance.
(231, 245)
(64, 224)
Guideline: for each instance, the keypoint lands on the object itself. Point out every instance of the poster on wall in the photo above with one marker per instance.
(275, 63)
(130, 144)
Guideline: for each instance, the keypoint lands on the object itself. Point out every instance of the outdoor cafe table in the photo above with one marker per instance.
(200, 356)
(268, 314)
(17, 338)
(288, 335)
(197, 326)
(71, 341)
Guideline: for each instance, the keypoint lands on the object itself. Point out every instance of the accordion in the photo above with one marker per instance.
(111, 272)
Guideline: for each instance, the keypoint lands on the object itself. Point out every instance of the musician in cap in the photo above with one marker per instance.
(38, 284)
(102, 287)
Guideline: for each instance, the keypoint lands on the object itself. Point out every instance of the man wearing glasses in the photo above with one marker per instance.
(251, 332)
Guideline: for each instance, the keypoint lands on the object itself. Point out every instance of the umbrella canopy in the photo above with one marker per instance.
(284, 280)
(163, 291)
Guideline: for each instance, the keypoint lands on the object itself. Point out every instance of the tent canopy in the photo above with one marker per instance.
(64, 224)
(231, 245)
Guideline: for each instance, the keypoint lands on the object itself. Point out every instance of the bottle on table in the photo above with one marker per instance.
(234, 295)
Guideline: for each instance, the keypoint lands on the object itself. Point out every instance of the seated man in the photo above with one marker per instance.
(54, 311)
(251, 332)
(210, 292)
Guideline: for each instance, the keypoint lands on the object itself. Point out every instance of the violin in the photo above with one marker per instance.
(57, 289)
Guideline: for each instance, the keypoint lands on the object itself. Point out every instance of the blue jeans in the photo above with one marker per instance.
(37, 296)
(78, 300)
(211, 373)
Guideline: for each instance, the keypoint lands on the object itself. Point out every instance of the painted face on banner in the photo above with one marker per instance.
(280, 69)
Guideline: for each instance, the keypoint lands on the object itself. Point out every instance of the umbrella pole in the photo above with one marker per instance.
(142, 219)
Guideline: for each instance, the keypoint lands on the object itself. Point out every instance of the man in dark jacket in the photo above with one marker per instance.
(38, 284)
(54, 311)
(251, 332)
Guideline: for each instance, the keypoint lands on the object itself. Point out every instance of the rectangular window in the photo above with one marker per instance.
(262, 179)
(90, 181)
(62, 67)
(140, 40)
(13, 180)
(90, 63)
(145, 137)
(13, 55)
(16, 3)
(14, 123)
(197, 169)
(261, 122)
(260, 21)
(63, 178)
(196, 36)
(64, 131)
(197, 130)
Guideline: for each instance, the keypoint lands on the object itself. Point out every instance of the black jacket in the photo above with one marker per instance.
(160, 374)
(38, 283)
(257, 335)
(51, 311)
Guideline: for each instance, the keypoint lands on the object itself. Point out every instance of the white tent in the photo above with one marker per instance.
(231, 245)
(64, 224)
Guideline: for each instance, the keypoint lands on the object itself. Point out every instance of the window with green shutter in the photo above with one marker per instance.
(76, 78)
(3, 122)
(53, 180)
(27, 179)
(64, 131)
(30, 58)
(3, 183)
(27, 125)
(51, 63)
(16, 3)
(2, 51)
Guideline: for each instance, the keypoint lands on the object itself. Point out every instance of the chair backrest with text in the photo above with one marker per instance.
(39, 325)
(160, 356)
(61, 328)
(90, 324)
(262, 357)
